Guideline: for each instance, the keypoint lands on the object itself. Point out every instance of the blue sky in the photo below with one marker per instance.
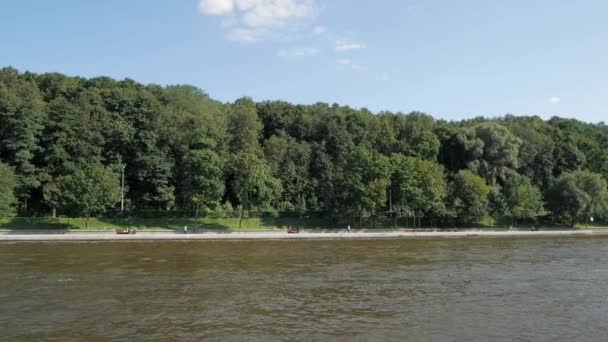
(453, 59)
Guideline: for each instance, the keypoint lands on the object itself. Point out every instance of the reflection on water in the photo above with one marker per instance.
(416, 290)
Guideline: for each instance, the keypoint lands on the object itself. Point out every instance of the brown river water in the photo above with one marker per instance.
(535, 289)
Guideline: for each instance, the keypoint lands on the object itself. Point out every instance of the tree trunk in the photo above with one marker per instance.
(54, 212)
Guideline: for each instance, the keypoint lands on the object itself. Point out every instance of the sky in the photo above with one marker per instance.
(451, 59)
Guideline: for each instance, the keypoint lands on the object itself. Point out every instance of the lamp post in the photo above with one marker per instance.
(122, 189)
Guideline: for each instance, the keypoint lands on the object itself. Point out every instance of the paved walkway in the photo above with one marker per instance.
(279, 235)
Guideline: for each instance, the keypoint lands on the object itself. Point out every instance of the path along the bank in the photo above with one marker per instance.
(8, 236)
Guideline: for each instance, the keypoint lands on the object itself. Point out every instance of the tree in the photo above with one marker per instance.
(290, 163)
(8, 183)
(497, 156)
(417, 186)
(202, 182)
(361, 189)
(523, 200)
(567, 157)
(469, 197)
(578, 195)
(91, 189)
(21, 123)
(252, 183)
(244, 127)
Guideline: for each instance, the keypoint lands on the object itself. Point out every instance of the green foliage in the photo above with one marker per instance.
(8, 183)
(244, 127)
(91, 189)
(202, 181)
(362, 187)
(523, 200)
(290, 161)
(417, 186)
(252, 183)
(577, 196)
(22, 116)
(494, 150)
(469, 197)
(183, 150)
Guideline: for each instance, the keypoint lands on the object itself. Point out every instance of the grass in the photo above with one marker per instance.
(48, 223)
(595, 225)
(227, 224)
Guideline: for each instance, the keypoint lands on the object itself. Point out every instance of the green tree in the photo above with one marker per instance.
(290, 162)
(8, 183)
(91, 189)
(523, 200)
(417, 187)
(576, 196)
(22, 115)
(252, 183)
(244, 127)
(362, 187)
(469, 197)
(496, 152)
(202, 182)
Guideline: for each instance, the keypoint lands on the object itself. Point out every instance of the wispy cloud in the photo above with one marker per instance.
(347, 45)
(298, 52)
(349, 64)
(555, 100)
(250, 21)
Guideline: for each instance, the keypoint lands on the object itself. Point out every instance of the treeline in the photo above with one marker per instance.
(66, 141)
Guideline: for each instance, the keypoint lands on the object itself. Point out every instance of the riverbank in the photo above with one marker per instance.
(167, 224)
(8, 236)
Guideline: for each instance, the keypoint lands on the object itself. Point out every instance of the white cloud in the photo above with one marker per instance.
(320, 29)
(555, 100)
(298, 52)
(216, 7)
(347, 45)
(256, 20)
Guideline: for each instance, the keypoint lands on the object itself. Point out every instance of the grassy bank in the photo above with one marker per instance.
(46, 223)
(169, 224)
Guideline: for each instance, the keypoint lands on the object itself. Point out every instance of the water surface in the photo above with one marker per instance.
(401, 290)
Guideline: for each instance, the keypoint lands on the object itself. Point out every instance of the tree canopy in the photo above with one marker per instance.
(181, 150)
(8, 183)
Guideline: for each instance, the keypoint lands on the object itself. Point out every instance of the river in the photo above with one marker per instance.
(533, 289)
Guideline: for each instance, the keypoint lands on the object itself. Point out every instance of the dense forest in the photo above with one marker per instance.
(68, 144)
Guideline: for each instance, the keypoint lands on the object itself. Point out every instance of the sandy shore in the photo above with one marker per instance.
(279, 235)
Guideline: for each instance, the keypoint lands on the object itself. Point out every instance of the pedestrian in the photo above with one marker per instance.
(348, 228)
